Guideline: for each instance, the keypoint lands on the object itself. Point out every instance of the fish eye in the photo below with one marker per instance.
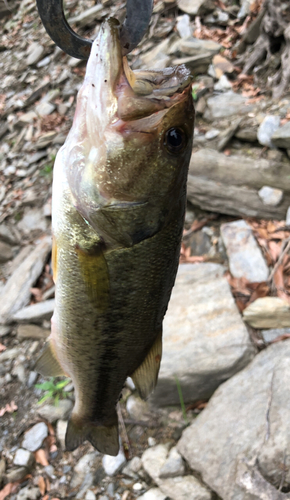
(175, 140)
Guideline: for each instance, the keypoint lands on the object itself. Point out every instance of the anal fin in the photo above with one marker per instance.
(145, 377)
(47, 364)
(104, 438)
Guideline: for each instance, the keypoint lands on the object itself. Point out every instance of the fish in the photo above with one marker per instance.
(118, 204)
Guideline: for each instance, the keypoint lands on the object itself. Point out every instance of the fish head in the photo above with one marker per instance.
(131, 138)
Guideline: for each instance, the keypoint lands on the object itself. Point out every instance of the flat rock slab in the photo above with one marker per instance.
(245, 257)
(205, 340)
(239, 442)
(268, 312)
(36, 313)
(226, 104)
(16, 293)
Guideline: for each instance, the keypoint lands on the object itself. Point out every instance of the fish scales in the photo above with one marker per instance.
(119, 194)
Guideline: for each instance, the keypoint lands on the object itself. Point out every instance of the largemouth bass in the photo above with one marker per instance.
(119, 191)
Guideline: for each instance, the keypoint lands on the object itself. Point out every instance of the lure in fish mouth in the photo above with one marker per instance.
(119, 193)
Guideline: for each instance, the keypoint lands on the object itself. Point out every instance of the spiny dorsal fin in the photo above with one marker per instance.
(47, 364)
(145, 377)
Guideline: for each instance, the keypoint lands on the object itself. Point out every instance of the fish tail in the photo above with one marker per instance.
(104, 438)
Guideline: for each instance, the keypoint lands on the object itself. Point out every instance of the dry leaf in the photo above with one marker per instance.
(9, 408)
(41, 457)
(41, 485)
(6, 491)
(2, 348)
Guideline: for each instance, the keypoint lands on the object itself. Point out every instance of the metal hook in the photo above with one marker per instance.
(138, 14)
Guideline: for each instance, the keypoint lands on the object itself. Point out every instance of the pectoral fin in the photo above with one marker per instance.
(145, 377)
(95, 274)
(47, 364)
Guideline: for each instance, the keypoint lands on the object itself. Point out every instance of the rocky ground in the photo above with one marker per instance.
(217, 424)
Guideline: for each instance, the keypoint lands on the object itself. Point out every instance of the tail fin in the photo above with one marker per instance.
(104, 439)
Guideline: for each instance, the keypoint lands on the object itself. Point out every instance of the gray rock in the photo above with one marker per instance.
(61, 427)
(195, 7)
(174, 465)
(34, 438)
(51, 413)
(83, 467)
(228, 133)
(112, 465)
(270, 196)
(245, 257)
(36, 313)
(238, 442)
(28, 493)
(200, 358)
(86, 484)
(44, 108)
(32, 377)
(153, 494)
(158, 57)
(16, 293)
(31, 332)
(132, 468)
(183, 26)
(5, 252)
(24, 458)
(35, 52)
(212, 134)
(199, 242)
(7, 235)
(268, 312)
(87, 16)
(245, 8)
(267, 129)
(226, 104)
(217, 17)
(281, 136)
(185, 488)
(223, 84)
(19, 372)
(90, 495)
(32, 220)
(137, 408)
(10, 354)
(248, 134)
(274, 333)
(153, 460)
(16, 474)
(4, 330)
(194, 47)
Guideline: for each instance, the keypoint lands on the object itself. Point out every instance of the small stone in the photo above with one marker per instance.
(217, 17)
(36, 52)
(44, 62)
(32, 377)
(274, 333)
(268, 312)
(287, 224)
(281, 136)
(212, 134)
(28, 493)
(137, 408)
(4, 330)
(5, 252)
(19, 372)
(59, 412)
(153, 460)
(16, 474)
(152, 441)
(221, 66)
(24, 458)
(223, 84)
(174, 465)
(83, 468)
(137, 487)
(36, 313)
(270, 196)
(196, 7)
(87, 16)
(31, 332)
(132, 468)
(61, 427)
(26, 118)
(225, 105)
(245, 257)
(45, 140)
(153, 494)
(90, 495)
(185, 488)
(49, 469)
(266, 130)
(44, 108)
(111, 489)
(32, 220)
(34, 438)
(112, 465)
(183, 26)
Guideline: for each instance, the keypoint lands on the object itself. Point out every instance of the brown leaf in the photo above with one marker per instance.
(41, 457)
(279, 284)
(2, 347)
(274, 250)
(6, 491)
(9, 408)
(261, 290)
(41, 485)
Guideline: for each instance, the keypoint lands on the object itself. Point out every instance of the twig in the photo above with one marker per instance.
(125, 439)
(281, 256)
